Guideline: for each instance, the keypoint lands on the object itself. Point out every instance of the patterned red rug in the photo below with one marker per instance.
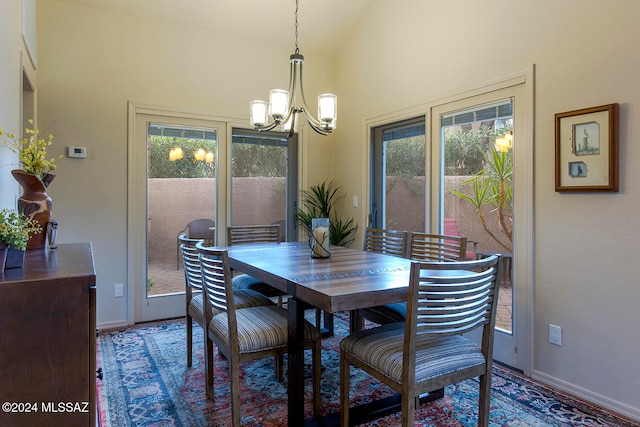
(147, 383)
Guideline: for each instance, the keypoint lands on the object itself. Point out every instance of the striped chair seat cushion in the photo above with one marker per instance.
(259, 328)
(196, 306)
(382, 347)
(244, 281)
(242, 298)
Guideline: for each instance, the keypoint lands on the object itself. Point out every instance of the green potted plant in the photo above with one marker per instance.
(319, 202)
(15, 230)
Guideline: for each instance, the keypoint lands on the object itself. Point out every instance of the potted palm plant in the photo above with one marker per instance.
(15, 229)
(319, 202)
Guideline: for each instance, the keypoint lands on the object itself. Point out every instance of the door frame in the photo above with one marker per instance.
(171, 305)
(523, 243)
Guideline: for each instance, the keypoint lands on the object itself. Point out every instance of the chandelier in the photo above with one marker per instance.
(282, 108)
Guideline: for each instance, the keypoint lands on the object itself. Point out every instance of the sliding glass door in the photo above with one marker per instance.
(398, 179)
(173, 188)
(264, 181)
(470, 178)
(479, 144)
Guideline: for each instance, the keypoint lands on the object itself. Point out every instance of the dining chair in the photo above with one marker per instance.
(193, 291)
(197, 229)
(243, 334)
(421, 247)
(427, 351)
(390, 242)
(267, 233)
(436, 247)
(246, 234)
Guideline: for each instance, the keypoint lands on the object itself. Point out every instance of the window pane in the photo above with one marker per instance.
(259, 178)
(478, 186)
(180, 189)
(398, 179)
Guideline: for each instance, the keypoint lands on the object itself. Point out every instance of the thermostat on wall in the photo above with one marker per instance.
(78, 152)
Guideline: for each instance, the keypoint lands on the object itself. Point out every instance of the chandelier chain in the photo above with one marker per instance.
(282, 108)
(296, 27)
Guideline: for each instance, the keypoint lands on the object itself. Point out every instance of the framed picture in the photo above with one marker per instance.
(587, 149)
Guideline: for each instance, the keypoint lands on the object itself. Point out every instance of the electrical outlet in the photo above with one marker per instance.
(555, 335)
(119, 290)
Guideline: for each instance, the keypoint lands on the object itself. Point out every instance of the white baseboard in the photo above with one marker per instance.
(112, 324)
(597, 399)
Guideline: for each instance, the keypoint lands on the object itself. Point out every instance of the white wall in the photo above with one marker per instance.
(91, 63)
(410, 52)
(12, 50)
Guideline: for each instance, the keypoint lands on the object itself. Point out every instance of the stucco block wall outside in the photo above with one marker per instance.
(174, 202)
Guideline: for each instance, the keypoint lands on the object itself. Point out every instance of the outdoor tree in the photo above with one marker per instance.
(492, 187)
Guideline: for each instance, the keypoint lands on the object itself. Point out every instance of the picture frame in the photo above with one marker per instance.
(587, 149)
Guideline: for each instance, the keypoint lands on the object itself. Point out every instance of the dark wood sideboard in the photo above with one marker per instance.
(48, 339)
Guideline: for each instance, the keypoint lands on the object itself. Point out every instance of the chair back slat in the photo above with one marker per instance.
(192, 273)
(244, 234)
(436, 247)
(390, 242)
(216, 283)
(452, 297)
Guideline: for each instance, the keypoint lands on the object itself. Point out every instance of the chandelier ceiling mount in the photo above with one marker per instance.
(282, 108)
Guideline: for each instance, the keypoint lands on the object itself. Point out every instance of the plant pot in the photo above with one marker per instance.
(35, 204)
(14, 258)
(3, 257)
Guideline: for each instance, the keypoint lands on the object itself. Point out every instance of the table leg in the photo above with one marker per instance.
(295, 369)
(327, 324)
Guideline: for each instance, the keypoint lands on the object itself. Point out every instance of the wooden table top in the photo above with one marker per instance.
(348, 280)
(65, 261)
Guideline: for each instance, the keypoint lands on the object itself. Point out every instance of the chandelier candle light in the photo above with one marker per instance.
(282, 106)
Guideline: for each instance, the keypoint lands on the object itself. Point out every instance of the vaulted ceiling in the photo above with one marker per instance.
(323, 24)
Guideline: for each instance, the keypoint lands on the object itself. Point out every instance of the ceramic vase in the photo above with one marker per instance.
(35, 204)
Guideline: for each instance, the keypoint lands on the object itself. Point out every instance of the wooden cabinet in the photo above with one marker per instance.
(48, 339)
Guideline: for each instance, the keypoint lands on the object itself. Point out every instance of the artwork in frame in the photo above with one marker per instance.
(587, 149)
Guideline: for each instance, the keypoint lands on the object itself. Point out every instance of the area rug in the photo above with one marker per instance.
(147, 383)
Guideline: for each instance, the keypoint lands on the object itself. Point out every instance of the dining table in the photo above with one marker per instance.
(349, 279)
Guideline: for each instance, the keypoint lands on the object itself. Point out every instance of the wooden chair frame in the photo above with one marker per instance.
(390, 242)
(193, 287)
(440, 309)
(218, 291)
(243, 234)
(436, 247)
(195, 307)
(198, 229)
(421, 247)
